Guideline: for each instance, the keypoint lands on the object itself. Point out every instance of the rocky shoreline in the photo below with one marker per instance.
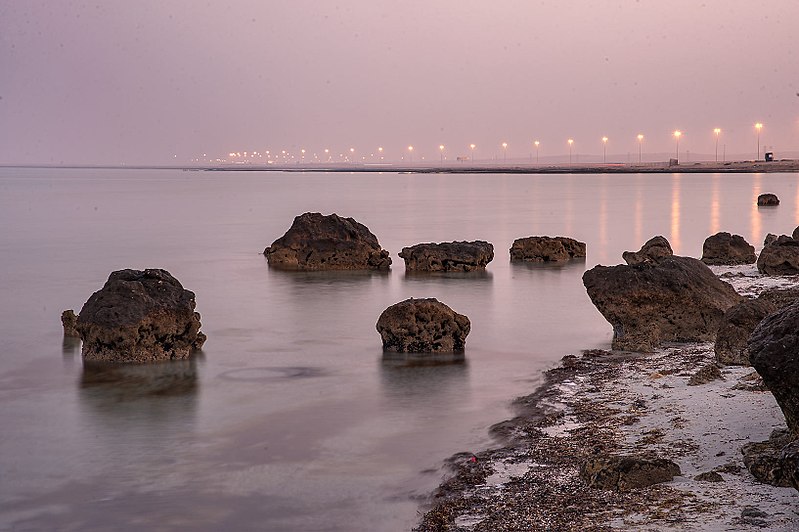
(675, 403)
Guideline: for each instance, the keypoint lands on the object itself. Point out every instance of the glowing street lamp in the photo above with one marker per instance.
(441, 149)
(537, 144)
(604, 149)
(570, 141)
(717, 131)
(504, 152)
(410, 151)
(380, 149)
(640, 144)
(472, 147)
(352, 155)
(677, 135)
(758, 127)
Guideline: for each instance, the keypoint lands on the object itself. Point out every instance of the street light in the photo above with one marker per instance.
(472, 147)
(410, 150)
(537, 144)
(504, 152)
(640, 144)
(604, 149)
(570, 141)
(380, 149)
(758, 127)
(441, 149)
(717, 131)
(352, 155)
(677, 135)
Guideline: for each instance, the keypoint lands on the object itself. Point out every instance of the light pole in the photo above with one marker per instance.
(717, 131)
(380, 151)
(570, 141)
(677, 135)
(504, 152)
(758, 127)
(472, 147)
(604, 149)
(441, 149)
(537, 144)
(640, 144)
(352, 155)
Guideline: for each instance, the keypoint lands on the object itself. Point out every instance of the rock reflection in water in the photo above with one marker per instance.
(479, 275)
(123, 382)
(70, 347)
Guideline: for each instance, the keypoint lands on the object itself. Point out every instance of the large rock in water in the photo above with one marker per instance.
(774, 353)
(546, 249)
(768, 200)
(140, 316)
(780, 257)
(677, 299)
(727, 249)
(318, 242)
(448, 256)
(737, 324)
(422, 326)
(653, 250)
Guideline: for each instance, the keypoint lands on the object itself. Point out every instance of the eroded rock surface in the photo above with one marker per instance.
(448, 256)
(737, 324)
(779, 257)
(140, 316)
(626, 473)
(69, 321)
(422, 326)
(768, 200)
(677, 299)
(546, 249)
(653, 250)
(764, 462)
(728, 249)
(318, 242)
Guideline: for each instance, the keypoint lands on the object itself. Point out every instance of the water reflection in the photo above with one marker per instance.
(756, 227)
(408, 383)
(481, 276)
(568, 265)
(675, 213)
(715, 205)
(114, 383)
(342, 278)
(639, 211)
(70, 348)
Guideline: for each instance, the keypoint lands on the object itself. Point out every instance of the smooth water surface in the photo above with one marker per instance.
(291, 418)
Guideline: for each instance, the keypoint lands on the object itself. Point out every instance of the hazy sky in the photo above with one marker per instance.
(142, 81)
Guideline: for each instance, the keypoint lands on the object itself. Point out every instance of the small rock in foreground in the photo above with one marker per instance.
(69, 321)
(780, 256)
(139, 317)
(727, 249)
(626, 473)
(546, 249)
(422, 326)
(653, 250)
(448, 256)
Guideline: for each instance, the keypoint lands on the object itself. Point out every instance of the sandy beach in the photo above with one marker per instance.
(666, 404)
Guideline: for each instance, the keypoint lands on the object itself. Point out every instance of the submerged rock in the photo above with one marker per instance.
(69, 321)
(653, 250)
(735, 328)
(626, 473)
(779, 257)
(448, 256)
(768, 200)
(677, 299)
(422, 326)
(318, 242)
(727, 249)
(546, 249)
(140, 316)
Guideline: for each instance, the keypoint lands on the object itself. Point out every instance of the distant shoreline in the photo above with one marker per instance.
(730, 167)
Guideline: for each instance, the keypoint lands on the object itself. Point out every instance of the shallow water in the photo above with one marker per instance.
(291, 419)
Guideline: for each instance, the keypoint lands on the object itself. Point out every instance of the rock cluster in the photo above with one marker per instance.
(780, 256)
(676, 299)
(448, 256)
(724, 248)
(653, 250)
(140, 316)
(768, 200)
(626, 473)
(546, 249)
(422, 326)
(318, 242)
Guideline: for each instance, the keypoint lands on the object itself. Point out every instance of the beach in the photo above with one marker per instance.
(664, 404)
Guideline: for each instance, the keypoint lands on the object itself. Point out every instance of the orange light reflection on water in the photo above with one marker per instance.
(756, 224)
(675, 214)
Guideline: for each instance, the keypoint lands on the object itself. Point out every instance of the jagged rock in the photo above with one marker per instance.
(709, 476)
(737, 324)
(69, 322)
(724, 248)
(625, 473)
(422, 326)
(781, 297)
(770, 239)
(767, 200)
(676, 299)
(653, 250)
(795, 234)
(763, 460)
(789, 458)
(448, 256)
(774, 353)
(140, 316)
(318, 242)
(707, 373)
(780, 257)
(546, 249)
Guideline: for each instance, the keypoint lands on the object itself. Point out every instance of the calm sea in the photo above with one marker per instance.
(291, 419)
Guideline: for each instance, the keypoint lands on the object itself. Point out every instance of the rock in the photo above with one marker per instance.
(69, 322)
(736, 325)
(140, 316)
(546, 249)
(768, 200)
(448, 256)
(774, 353)
(751, 517)
(795, 234)
(770, 239)
(709, 476)
(727, 249)
(763, 460)
(318, 242)
(625, 473)
(706, 374)
(652, 251)
(780, 257)
(781, 297)
(422, 326)
(789, 458)
(678, 299)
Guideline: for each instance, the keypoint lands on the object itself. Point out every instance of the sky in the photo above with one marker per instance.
(167, 81)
